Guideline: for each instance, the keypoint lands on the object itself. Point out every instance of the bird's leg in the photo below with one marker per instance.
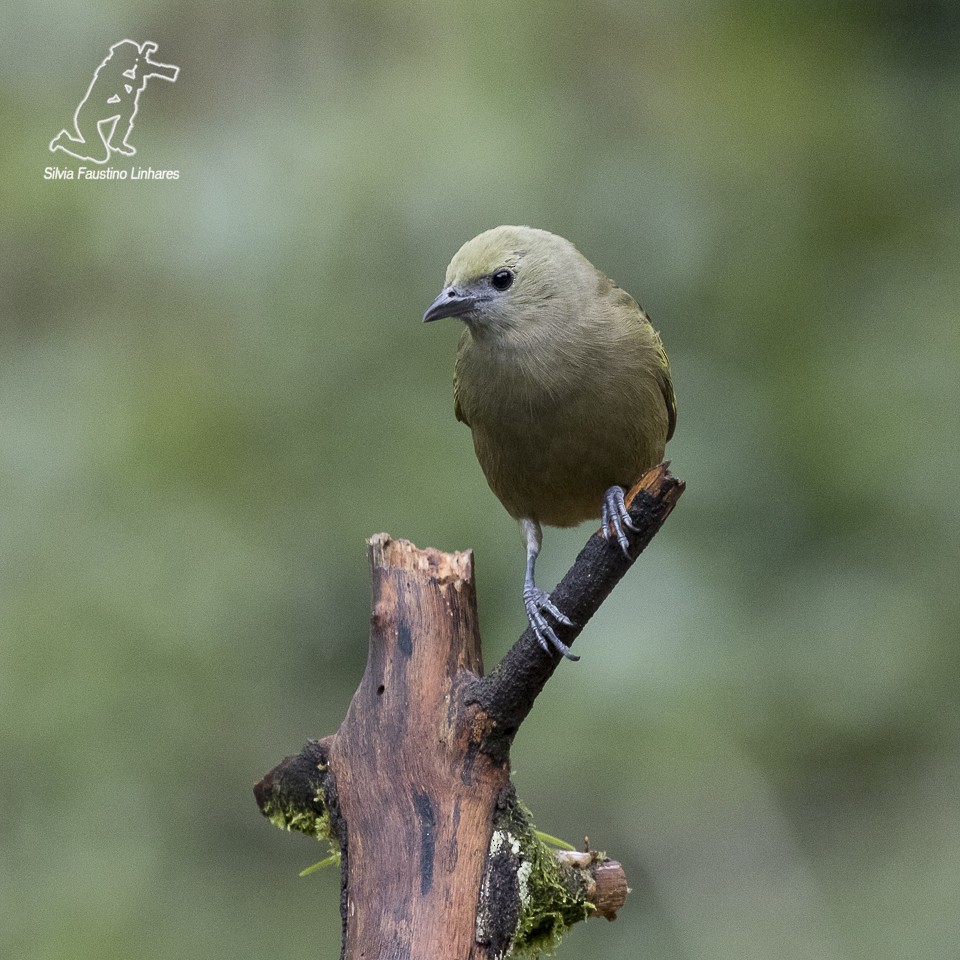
(536, 600)
(614, 517)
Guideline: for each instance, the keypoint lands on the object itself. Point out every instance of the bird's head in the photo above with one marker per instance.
(503, 278)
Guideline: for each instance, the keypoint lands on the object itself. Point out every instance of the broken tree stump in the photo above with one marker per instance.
(439, 859)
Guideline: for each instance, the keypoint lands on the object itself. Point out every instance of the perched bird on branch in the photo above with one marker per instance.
(563, 382)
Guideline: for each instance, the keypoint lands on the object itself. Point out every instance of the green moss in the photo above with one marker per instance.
(313, 820)
(551, 897)
(293, 814)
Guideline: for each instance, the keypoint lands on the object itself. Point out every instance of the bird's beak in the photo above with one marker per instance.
(450, 303)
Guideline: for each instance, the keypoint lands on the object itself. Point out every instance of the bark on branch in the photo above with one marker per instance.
(509, 692)
(438, 857)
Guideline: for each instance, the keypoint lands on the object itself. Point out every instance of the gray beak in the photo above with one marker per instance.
(450, 303)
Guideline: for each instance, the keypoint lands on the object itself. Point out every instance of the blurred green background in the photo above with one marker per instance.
(213, 390)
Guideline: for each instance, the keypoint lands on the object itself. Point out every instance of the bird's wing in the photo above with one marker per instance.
(664, 380)
(666, 388)
(457, 409)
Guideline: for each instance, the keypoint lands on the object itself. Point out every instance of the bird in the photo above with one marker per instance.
(564, 384)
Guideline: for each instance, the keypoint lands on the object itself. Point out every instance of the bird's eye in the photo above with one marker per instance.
(502, 279)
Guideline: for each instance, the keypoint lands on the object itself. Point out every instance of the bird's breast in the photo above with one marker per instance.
(554, 428)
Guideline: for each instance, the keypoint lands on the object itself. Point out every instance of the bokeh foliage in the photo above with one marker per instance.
(212, 390)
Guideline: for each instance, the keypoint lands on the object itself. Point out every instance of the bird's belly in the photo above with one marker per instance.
(555, 469)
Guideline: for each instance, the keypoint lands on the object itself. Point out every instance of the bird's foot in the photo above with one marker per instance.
(539, 603)
(614, 517)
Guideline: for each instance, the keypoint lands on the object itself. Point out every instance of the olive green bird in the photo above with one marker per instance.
(563, 382)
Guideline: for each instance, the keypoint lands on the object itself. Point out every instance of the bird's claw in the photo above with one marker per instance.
(539, 603)
(614, 517)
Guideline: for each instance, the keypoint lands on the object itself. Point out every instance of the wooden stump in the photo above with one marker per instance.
(439, 860)
(416, 794)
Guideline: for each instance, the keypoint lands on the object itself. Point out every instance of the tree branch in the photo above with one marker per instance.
(508, 694)
(438, 856)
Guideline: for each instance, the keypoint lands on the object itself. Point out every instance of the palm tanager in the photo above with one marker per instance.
(564, 384)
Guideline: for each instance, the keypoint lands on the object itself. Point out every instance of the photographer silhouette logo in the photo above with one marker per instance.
(103, 122)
